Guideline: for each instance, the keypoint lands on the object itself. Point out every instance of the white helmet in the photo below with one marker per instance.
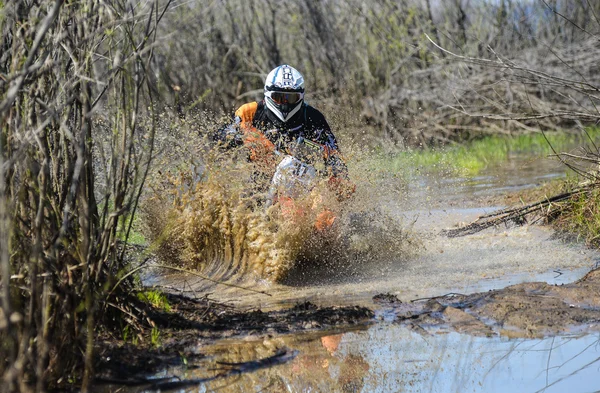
(284, 91)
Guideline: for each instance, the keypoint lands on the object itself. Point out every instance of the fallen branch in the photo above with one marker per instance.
(517, 214)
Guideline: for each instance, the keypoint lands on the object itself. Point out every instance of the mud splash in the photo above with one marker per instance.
(216, 220)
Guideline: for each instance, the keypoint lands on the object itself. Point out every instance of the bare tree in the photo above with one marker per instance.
(371, 56)
(74, 81)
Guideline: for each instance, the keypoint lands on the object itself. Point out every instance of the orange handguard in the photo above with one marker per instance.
(291, 211)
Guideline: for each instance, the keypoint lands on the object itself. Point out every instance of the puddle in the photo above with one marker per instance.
(518, 173)
(391, 358)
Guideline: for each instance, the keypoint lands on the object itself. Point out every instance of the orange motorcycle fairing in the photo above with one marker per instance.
(293, 212)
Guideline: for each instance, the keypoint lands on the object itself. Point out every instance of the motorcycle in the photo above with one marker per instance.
(296, 178)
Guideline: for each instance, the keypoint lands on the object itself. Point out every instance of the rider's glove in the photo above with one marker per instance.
(230, 135)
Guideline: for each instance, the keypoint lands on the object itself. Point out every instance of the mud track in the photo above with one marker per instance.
(525, 310)
(528, 309)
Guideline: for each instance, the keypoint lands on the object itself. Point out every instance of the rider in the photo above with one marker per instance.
(278, 121)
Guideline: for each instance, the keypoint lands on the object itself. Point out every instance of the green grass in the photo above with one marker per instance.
(156, 299)
(581, 216)
(135, 235)
(471, 158)
(155, 337)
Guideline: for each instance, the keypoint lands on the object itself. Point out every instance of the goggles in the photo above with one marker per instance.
(283, 97)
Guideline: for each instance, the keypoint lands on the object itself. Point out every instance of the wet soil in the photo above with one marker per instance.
(193, 323)
(529, 310)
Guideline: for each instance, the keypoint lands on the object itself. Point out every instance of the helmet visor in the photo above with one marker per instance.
(283, 97)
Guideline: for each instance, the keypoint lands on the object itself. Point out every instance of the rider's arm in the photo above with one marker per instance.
(229, 135)
(232, 134)
(339, 181)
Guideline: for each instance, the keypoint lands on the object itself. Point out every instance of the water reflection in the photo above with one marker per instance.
(391, 358)
(516, 174)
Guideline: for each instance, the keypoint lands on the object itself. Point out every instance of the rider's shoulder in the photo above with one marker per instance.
(315, 115)
(313, 112)
(247, 111)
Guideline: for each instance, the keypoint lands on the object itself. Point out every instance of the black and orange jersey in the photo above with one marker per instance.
(257, 128)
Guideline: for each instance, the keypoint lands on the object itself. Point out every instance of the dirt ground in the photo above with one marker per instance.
(534, 309)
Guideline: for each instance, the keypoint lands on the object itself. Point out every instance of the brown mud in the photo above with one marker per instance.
(524, 310)
(528, 310)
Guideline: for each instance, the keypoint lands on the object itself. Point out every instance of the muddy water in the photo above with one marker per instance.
(390, 358)
(387, 357)
(491, 259)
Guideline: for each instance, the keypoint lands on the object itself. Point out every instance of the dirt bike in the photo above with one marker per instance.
(296, 178)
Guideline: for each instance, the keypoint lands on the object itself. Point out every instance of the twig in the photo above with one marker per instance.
(178, 269)
(132, 271)
(41, 31)
(437, 297)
